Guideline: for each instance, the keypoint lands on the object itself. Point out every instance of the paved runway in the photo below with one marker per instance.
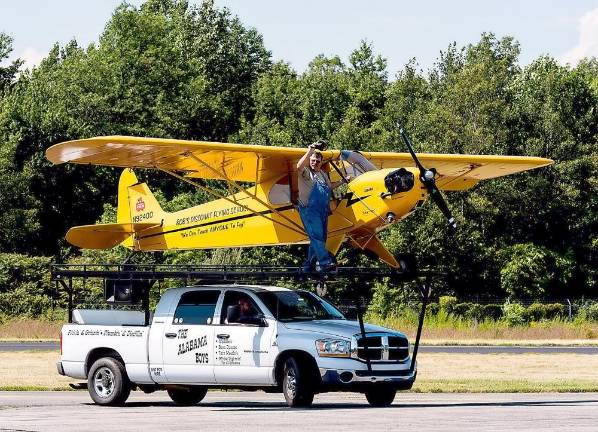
(239, 411)
(471, 349)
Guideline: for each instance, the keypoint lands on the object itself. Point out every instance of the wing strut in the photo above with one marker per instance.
(234, 185)
(217, 195)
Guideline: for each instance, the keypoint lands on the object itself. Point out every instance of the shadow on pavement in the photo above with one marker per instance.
(278, 406)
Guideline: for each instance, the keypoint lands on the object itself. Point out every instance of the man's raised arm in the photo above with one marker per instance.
(305, 158)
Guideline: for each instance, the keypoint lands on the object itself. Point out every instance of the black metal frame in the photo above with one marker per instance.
(63, 274)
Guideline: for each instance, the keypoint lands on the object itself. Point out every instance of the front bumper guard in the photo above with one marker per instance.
(402, 379)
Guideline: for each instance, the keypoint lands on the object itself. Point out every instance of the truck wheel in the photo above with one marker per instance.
(108, 383)
(187, 397)
(380, 396)
(296, 387)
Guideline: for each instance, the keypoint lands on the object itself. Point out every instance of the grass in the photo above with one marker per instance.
(495, 373)
(438, 330)
(27, 329)
(31, 370)
(446, 328)
(437, 372)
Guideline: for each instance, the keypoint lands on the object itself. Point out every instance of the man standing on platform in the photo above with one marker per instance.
(314, 206)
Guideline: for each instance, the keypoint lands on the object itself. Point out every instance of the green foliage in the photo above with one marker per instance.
(538, 312)
(164, 69)
(492, 311)
(7, 73)
(529, 270)
(25, 286)
(589, 312)
(461, 309)
(447, 303)
(433, 309)
(513, 314)
(169, 69)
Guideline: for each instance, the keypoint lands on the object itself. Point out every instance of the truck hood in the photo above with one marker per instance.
(342, 328)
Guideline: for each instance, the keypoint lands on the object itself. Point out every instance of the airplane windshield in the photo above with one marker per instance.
(298, 306)
(356, 163)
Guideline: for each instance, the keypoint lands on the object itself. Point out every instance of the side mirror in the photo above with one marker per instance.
(263, 322)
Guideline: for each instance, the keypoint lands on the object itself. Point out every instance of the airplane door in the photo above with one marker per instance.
(243, 351)
(188, 344)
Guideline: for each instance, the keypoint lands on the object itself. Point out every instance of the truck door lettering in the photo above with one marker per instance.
(192, 344)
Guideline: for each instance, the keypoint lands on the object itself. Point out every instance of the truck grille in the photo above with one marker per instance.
(382, 347)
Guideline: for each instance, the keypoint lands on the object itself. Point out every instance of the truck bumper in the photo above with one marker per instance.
(361, 380)
(60, 368)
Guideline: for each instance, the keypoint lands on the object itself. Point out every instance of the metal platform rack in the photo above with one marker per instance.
(141, 278)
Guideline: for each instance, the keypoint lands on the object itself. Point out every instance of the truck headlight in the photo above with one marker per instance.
(333, 348)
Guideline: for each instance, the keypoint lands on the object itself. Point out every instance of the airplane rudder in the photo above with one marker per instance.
(127, 179)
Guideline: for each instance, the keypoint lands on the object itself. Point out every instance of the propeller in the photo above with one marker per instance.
(428, 178)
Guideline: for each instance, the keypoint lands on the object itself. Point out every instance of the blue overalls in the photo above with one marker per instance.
(315, 221)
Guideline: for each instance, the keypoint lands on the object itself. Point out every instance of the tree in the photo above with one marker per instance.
(164, 69)
(7, 73)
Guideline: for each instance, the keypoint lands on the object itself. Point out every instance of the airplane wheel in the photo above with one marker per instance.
(295, 384)
(380, 396)
(108, 383)
(187, 397)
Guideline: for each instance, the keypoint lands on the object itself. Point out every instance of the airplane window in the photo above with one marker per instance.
(280, 193)
(356, 163)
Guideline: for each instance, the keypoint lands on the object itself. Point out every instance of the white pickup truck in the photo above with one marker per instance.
(234, 336)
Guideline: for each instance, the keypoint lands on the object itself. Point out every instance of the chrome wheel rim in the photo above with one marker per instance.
(291, 382)
(103, 382)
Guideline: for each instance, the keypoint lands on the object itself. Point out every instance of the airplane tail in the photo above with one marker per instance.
(137, 210)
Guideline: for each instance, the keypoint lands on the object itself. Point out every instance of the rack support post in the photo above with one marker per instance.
(425, 289)
(359, 311)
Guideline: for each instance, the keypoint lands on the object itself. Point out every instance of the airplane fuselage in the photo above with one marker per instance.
(241, 220)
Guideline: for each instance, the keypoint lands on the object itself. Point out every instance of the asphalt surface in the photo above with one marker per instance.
(503, 349)
(257, 411)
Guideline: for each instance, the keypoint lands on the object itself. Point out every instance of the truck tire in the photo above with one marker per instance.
(108, 383)
(187, 397)
(296, 386)
(380, 396)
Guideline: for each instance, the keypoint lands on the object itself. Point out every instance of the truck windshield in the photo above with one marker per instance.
(298, 306)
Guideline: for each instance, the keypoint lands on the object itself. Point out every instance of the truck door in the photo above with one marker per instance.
(243, 342)
(188, 349)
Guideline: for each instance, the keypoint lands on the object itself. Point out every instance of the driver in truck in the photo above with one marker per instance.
(244, 312)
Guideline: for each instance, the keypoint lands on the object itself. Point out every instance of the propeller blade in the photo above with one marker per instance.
(441, 203)
(428, 178)
(411, 151)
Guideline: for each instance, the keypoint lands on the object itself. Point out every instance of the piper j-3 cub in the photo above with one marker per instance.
(384, 188)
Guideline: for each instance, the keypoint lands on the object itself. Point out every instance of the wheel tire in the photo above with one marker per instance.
(187, 397)
(296, 386)
(381, 396)
(108, 383)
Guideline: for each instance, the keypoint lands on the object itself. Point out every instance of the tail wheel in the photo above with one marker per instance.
(108, 383)
(296, 386)
(381, 396)
(188, 397)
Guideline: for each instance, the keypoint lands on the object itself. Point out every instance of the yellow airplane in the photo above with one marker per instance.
(385, 188)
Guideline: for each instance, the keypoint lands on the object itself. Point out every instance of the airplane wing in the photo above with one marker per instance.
(460, 171)
(256, 163)
(196, 159)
